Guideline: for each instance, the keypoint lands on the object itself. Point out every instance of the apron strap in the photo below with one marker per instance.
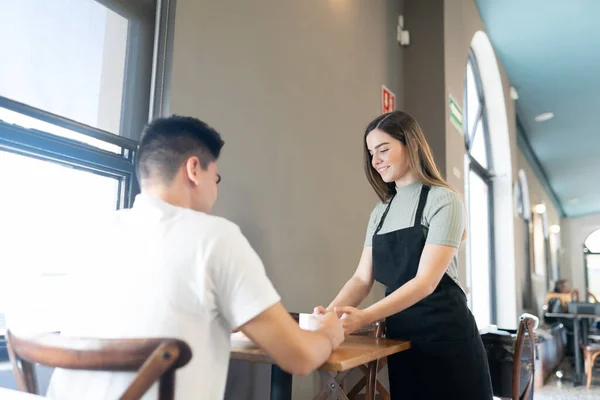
(421, 206)
(384, 215)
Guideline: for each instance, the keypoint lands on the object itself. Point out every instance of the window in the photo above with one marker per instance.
(591, 249)
(592, 243)
(540, 243)
(554, 254)
(88, 61)
(70, 116)
(478, 182)
(524, 211)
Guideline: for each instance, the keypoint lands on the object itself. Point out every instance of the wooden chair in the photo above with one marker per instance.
(334, 384)
(153, 359)
(565, 298)
(591, 297)
(591, 351)
(525, 326)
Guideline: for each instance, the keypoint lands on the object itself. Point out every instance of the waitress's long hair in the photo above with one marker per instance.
(403, 127)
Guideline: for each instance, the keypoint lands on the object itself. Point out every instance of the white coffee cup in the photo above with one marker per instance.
(309, 322)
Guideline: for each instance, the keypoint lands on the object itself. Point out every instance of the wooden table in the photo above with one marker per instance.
(355, 351)
(8, 394)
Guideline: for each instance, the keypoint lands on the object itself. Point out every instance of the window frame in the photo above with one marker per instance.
(486, 174)
(70, 152)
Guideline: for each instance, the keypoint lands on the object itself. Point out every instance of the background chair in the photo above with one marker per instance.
(523, 384)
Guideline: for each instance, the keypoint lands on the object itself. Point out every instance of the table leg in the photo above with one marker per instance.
(577, 352)
(281, 384)
(333, 383)
(371, 381)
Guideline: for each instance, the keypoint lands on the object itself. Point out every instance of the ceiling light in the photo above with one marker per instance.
(555, 228)
(573, 201)
(540, 208)
(513, 93)
(544, 116)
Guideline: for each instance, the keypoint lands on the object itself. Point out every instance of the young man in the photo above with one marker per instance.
(167, 268)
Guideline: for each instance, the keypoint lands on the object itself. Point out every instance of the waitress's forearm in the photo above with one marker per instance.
(405, 296)
(353, 292)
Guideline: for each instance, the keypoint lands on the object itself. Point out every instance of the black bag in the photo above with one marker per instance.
(500, 349)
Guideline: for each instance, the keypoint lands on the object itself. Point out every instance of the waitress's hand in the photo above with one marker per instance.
(352, 318)
(319, 310)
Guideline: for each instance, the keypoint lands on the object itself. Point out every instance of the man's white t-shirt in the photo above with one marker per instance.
(157, 270)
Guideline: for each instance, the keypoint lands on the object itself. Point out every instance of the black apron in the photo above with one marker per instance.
(447, 359)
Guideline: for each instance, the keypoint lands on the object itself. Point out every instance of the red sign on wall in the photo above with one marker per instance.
(388, 100)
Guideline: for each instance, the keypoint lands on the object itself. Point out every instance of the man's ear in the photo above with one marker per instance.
(192, 168)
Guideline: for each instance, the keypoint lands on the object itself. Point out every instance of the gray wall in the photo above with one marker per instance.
(424, 80)
(574, 232)
(538, 195)
(291, 86)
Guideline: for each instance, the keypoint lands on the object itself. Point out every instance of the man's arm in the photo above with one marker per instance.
(297, 351)
(247, 299)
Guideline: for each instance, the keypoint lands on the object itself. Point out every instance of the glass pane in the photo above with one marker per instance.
(66, 57)
(593, 271)
(478, 148)
(472, 98)
(554, 245)
(42, 205)
(539, 245)
(519, 199)
(25, 121)
(593, 242)
(479, 250)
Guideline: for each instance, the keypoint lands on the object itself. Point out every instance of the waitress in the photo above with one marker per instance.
(411, 247)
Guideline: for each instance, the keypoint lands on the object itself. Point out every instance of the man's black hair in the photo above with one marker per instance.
(167, 142)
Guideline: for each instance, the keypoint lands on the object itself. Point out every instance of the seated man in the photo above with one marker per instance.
(167, 268)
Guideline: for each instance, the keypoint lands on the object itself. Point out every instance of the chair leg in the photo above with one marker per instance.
(586, 369)
(592, 360)
(166, 386)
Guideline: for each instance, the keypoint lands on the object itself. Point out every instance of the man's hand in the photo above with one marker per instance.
(331, 325)
(295, 350)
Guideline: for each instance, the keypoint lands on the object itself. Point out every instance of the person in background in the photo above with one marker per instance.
(168, 268)
(411, 247)
(562, 286)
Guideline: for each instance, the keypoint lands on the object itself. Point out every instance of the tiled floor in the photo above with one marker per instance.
(562, 389)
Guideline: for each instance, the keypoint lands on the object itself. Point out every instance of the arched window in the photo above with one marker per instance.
(479, 197)
(591, 250)
(592, 243)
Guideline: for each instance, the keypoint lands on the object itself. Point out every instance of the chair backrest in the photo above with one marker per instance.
(154, 359)
(525, 326)
(564, 297)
